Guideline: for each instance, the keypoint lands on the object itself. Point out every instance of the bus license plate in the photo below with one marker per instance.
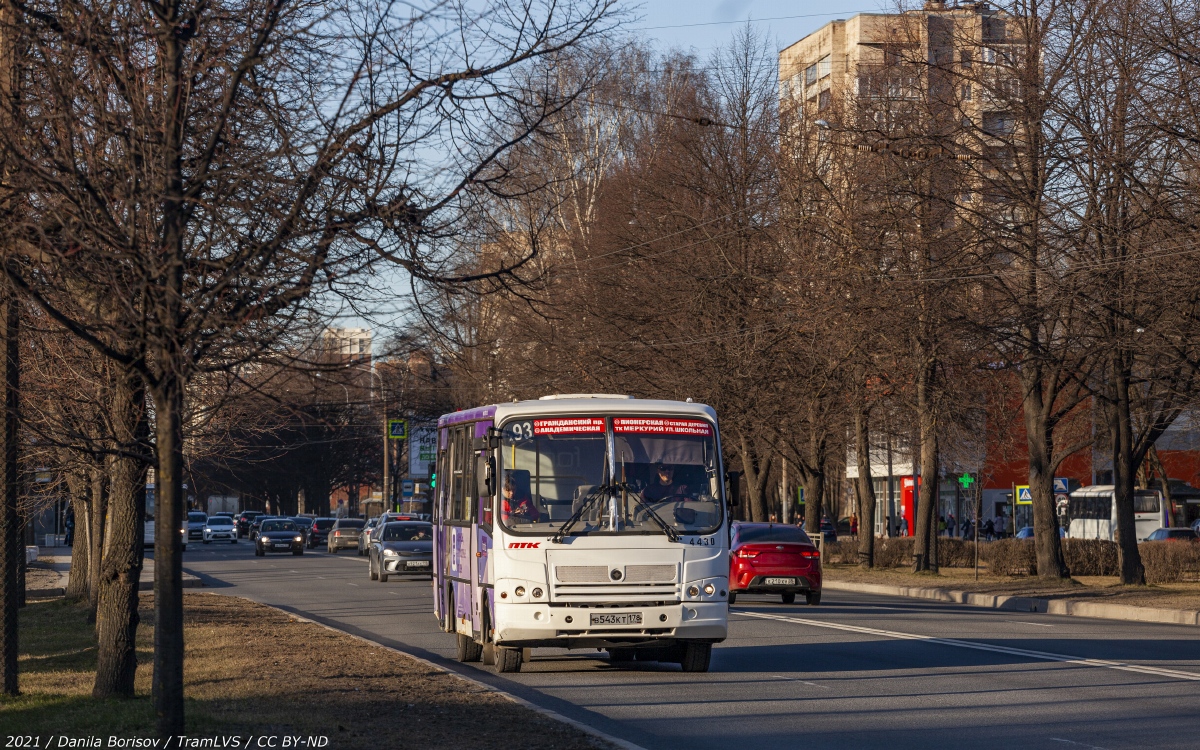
(780, 581)
(418, 563)
(625, 618)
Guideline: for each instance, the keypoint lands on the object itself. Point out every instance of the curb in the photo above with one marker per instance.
(554, 715)
(1075, 608)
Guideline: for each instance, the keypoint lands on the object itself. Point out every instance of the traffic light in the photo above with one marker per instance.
(432, 481)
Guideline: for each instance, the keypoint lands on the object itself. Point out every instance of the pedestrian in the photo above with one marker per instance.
(989, 530)
(951, 525)
(69, 523)
(941, 526)
(854, 525)
(903, 527)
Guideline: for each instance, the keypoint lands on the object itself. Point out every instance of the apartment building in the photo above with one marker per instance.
(941, 69)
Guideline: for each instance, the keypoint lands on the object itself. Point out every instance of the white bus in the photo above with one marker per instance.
(148, 533)
(1093, 513)
(582, 521)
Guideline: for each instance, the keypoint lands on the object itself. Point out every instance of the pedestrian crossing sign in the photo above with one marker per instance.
(1024, 496)
(397, 429)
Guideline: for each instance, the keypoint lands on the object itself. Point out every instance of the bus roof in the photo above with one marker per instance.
(578, 404)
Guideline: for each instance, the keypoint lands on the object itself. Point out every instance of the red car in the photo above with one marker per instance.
(773, 558)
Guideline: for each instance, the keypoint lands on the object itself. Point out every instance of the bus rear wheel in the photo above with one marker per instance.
(696, 657)
(507, 659)
(468, 649)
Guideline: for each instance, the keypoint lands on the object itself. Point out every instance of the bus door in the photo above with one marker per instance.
(482, 576)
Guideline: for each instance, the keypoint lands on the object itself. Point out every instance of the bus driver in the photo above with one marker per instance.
(520, 509)
(664, 486)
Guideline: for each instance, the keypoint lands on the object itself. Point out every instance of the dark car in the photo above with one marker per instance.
(256, 523)
(401, 548)
(772, 558)
(1173, 534)
(318, 532)
(243, 520)
(196, 519)
(304, 523)
(1026, 532)
(344, 534)
(279, 535)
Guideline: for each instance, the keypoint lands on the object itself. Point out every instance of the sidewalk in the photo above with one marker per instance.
(51, 573)
(1017, 603)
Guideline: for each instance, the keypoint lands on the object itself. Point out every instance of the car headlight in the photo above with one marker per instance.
(297, 538)
(208, 529)
(389, 553)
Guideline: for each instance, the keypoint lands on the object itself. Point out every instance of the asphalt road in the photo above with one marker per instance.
(857, 671)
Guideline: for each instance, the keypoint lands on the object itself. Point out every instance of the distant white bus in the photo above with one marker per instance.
(1093, 513)
(148, 536)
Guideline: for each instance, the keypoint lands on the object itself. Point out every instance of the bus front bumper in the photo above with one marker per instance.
(540, 625)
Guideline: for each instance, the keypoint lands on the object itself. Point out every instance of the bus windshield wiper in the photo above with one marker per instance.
(597, 492)
(671, 533)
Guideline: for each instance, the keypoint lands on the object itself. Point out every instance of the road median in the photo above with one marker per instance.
(1094, 597)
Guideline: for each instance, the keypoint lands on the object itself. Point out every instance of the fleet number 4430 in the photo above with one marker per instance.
(702, 541)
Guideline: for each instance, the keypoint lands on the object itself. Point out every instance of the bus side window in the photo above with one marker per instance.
(458, 461)
(481, 491)
(468, 496)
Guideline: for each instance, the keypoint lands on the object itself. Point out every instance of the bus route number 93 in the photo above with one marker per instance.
(702, 541)
(520, 431)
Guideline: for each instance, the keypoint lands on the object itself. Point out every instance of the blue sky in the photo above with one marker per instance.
(704, 25)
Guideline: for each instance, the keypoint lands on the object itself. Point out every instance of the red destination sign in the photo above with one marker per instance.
(568, 425)
(662, 426)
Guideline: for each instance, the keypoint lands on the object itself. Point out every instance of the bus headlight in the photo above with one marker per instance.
(537, 593)
(709, 589)
(519, 591)
(693, 591)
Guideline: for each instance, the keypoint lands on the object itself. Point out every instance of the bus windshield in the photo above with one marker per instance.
(620, 475)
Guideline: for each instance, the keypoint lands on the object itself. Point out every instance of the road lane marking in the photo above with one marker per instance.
(1039, 624)
(804, 682)
(1043, 655)
(1076, 744)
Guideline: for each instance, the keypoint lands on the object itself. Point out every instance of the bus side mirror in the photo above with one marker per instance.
(493, 438)
(734, 478)
(489, 474)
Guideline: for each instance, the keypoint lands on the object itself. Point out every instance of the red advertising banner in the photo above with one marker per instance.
(568, 425)
(662, 426)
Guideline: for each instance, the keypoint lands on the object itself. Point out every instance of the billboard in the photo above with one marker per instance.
(422, 451)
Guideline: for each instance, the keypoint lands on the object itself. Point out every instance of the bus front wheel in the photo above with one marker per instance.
(507, 659)
(696, 657)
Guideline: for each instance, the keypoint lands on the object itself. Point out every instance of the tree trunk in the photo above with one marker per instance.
(77, 582)
(12, 545)
(866, 488)
(116, 615)
(1051, 562)
(99, 508)
(756, 471)
(1163, 479)
(167, 683)
(1129, 559)
(925, 512)
(814, 496)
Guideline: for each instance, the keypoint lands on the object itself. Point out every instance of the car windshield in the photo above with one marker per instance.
(197, 517)
(771, 533)
(1181, 534)
(220, 521)
(351, 523)
(620, 475)
(407, 532)
(323, 524)
(278, 526)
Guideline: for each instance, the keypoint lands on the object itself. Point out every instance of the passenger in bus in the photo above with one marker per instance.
(663, 485)
(517, 506)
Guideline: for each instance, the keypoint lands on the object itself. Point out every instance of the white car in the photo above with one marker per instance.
(219, 529)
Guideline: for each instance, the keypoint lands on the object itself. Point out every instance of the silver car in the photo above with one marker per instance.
(196, 520)
(401, 548)
(364, 539)
(344, 534)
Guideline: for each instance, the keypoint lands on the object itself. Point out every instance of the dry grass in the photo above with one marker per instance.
(253, 670)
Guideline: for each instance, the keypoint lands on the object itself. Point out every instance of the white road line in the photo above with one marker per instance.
(1076, 744)
(1039, 624)
(1043, 655)
(803, 682)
